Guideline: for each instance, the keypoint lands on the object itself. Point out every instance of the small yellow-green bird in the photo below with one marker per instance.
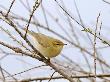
(48, 46)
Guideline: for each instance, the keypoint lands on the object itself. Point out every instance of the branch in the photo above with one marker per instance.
(34, 9)
(60, 77)
(10, 7)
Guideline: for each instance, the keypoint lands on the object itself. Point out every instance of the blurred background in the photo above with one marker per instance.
(70, 21)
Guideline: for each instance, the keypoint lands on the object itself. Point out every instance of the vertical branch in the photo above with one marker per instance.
(10, 7)
(94, 53)
(27, 7)
(34, 9)
(100, 29)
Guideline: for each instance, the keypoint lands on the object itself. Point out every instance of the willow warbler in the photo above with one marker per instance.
(48, 46)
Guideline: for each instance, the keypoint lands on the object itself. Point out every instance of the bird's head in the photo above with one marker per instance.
(58, 43)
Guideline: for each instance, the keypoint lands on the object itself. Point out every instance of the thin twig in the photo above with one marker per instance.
(26, 70)
(10, 7)
(2, 74)
(68, 14)
(100, 29)
(15, 80)
(34, 9)
(51, 76)
(94, 53)
(60, 77)
(11, 36)
(106, 2)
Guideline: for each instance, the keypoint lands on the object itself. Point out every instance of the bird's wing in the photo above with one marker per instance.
(43, 39)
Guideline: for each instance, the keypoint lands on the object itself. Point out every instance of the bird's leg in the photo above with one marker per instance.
(48, 59)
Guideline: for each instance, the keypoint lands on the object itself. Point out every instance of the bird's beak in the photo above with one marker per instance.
(65, 44)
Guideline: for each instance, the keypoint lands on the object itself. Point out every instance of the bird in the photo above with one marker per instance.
(48, 46)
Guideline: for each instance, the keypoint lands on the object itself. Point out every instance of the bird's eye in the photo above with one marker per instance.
(57, 44)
